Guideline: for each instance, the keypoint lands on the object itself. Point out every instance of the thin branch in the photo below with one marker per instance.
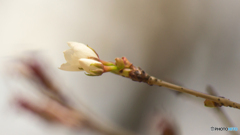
(127, 69)
(139, 75)
(222, 115)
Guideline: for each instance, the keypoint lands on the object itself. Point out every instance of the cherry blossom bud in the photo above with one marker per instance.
(93, 67)
(76, 52)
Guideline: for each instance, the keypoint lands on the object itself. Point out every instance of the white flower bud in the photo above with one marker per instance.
(76, 52)
(91, 66)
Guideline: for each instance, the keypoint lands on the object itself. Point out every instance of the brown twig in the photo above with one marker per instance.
(126, 69)
(53, 111)
(222, 115)
(56, 109)
(137, 74)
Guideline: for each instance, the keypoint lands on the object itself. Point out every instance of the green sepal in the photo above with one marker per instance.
(120, 63)
(97, 72)
(105, 63)
(98, 65)
(110, 68)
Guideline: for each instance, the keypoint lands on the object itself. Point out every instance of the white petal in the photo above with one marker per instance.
(72, 56)
(69, 67)
(85, 64)
(72, 44)
(81, 50)
(68, 54)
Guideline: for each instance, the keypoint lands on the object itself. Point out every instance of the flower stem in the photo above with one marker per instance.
(138, 74)
(110, 68)
(223, 101)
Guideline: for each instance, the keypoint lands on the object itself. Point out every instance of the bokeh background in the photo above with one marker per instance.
(193, 43)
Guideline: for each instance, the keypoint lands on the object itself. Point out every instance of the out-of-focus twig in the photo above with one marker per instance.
(222, 115)
(33, 66)
(167, 128)
(160, 123)
(53, 111)
(56, 109)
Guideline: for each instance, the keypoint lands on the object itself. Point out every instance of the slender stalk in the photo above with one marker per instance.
(222, 115)
(221, 100)
(137, 74)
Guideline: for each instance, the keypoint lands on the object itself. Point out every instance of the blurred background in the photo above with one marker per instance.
(193, 43)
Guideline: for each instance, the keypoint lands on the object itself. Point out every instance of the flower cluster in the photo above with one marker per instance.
(81, 57)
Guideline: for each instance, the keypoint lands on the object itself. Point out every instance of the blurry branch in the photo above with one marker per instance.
(139, 75)
(222, 115)
(126, 69)
(56, 108)
(167, 128)
(159, 122)
(53, 111)
(220, 112)
(85, 58)
(34, 72)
